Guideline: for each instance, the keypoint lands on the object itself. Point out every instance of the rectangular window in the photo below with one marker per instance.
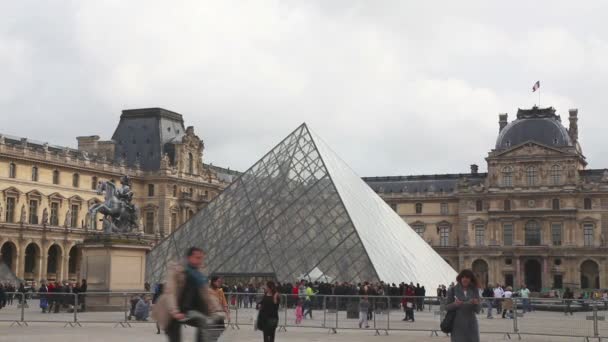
(588, 232)
(444, 209)
(33, 212)
(149, 226)
(507, 205)
(54, 219)
(393, 206)
(587, 203)
(444, 236)
(556, 234)
(479, 205)
(150, 190)
(74, 218)
(479, 234)
(10, 209)
(507, 234)
(418, 208)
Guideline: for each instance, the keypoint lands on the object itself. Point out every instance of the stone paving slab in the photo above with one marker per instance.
(539, 322)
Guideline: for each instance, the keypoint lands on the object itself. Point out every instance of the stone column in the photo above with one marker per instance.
(518, 278)
(20, 261)
(545, 281)
(41, 261)
(63, 266)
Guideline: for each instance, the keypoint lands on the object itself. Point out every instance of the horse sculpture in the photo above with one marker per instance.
(119, 215)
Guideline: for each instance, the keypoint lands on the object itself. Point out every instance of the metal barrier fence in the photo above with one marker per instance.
(535, 316)
(380, 314)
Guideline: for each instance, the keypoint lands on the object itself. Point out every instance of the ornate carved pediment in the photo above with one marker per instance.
(477, 222)
(150, 206)
(587, 220)
(76, 200)
(34, 194)
(531, 149)
(443, 224)
(56, 197)
(11, 191)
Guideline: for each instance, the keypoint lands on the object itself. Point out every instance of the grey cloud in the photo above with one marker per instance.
(395, 87)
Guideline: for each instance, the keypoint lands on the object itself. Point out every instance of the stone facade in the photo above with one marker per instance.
(538, 216)
(46, 190)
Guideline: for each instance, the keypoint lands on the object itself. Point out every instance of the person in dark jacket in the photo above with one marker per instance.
(44, 300)
(268, 317)
(568, 298)
(488, 297)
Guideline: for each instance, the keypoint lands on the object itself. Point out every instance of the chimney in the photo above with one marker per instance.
(502, 121)
(573, 129)
(474, 169)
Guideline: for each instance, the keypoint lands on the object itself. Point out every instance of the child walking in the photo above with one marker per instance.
(299, 312)
(363, 308)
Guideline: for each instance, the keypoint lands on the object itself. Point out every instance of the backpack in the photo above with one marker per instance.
(447, 324)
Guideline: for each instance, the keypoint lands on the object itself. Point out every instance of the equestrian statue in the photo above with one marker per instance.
(119, 213)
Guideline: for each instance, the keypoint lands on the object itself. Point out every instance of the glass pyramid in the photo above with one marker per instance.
(299, 212)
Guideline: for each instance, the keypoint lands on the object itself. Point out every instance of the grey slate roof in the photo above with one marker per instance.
(422, 184)
(541, 125)
(146, 134)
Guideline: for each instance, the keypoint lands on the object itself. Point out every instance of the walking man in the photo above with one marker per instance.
(185, 299)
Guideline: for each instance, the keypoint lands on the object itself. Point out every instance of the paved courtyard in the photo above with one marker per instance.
(538, 323)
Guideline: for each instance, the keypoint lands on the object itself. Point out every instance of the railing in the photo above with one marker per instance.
(382, 314)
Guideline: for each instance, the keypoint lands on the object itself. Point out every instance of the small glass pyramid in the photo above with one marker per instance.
(298, 212)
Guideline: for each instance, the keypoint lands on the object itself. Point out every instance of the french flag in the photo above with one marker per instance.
(536, 86)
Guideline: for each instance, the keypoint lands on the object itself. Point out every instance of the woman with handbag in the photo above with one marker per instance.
(463, 304)
(268, 317)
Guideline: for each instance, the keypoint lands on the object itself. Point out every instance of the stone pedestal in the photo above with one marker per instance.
(112, 264)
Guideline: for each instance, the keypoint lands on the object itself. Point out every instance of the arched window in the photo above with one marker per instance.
(75, 180)
(555, 204)
(532, 233)
(556, 174)
(418, 208)
(507, 205)
(34, 173)
(94, 183)
(55, 177)
(12, 170)
(531, 175)
(190, 163)
(507, 176)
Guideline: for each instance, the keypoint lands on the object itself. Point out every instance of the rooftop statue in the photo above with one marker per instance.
(119, 213)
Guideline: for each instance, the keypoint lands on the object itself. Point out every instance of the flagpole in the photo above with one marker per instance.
(538, 97)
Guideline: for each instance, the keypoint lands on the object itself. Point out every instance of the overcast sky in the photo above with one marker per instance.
(395, 87)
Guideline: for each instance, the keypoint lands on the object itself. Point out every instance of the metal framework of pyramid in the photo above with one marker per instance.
(301, 209)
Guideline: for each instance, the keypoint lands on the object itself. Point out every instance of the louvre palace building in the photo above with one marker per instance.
(538, 216)
(46, 190)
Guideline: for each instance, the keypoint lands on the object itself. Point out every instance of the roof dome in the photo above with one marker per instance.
(541, 125)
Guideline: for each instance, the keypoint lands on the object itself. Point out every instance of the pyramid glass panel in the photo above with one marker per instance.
(301, 212)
